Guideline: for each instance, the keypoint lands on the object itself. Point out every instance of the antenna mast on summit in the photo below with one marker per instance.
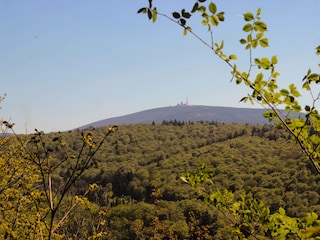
(187, 100)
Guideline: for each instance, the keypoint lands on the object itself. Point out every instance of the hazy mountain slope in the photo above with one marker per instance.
(188, 113)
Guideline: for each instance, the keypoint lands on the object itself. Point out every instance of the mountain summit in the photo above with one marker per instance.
(185, 113)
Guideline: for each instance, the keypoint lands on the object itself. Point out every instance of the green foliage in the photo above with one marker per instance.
(250, 217)
(36, 181)
(144, 161)
(18, 195)
(256, 26)
(263, 190)
(139, 189)
(264, 90)
(69, 167)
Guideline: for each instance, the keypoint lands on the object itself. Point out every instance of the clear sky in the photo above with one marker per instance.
(64, 63)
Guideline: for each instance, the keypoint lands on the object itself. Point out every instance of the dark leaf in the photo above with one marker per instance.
(307, 108)
(318, 50)
(291, 98)
(243, 41)
(176, 15)
(244, 99)
(142, 10)
(183, 22)
(195, 7)
(149, 14)
(185, 14)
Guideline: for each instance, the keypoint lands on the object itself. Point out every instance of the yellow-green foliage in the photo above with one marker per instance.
(18, 193)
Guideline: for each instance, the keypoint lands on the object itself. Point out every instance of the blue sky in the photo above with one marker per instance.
(64, 63)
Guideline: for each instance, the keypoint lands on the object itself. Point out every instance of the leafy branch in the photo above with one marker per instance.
(248, 216)
(39, 153)
(305, 129)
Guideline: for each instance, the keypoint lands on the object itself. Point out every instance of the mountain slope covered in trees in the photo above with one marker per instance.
(138, 173)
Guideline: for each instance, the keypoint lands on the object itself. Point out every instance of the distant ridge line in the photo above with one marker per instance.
(185, 112)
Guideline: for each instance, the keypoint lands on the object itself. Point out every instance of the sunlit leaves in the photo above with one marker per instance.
(281, 225)
(248, 16)
(219, 52)
(203, 175)
(310, 78)
(306, 86)
(255, 25)
(254, 43)
(204, 22)
(258, 13)
(150, 11)
(269, 115)
(220, 16)
(264, 42)
(185, 30)
(260, 26)
(259, 77)
(294, 91)
(18, 196)
(313, 77)
(284, 92)
(264, 63)
(274, 60)
(272, 86)
(247, 27)
(250, 217)
(209, 18)
(233, 57)
(214, 20)
(212, 8)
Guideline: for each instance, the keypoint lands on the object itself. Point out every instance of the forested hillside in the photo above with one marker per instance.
(138, 172)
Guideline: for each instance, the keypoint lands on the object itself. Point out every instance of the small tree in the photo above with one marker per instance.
(35, 183)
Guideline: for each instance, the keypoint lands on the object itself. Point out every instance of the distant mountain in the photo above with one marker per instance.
(187, 113)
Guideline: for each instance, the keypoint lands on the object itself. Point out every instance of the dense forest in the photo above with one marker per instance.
(175, 179)
(140, 194)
